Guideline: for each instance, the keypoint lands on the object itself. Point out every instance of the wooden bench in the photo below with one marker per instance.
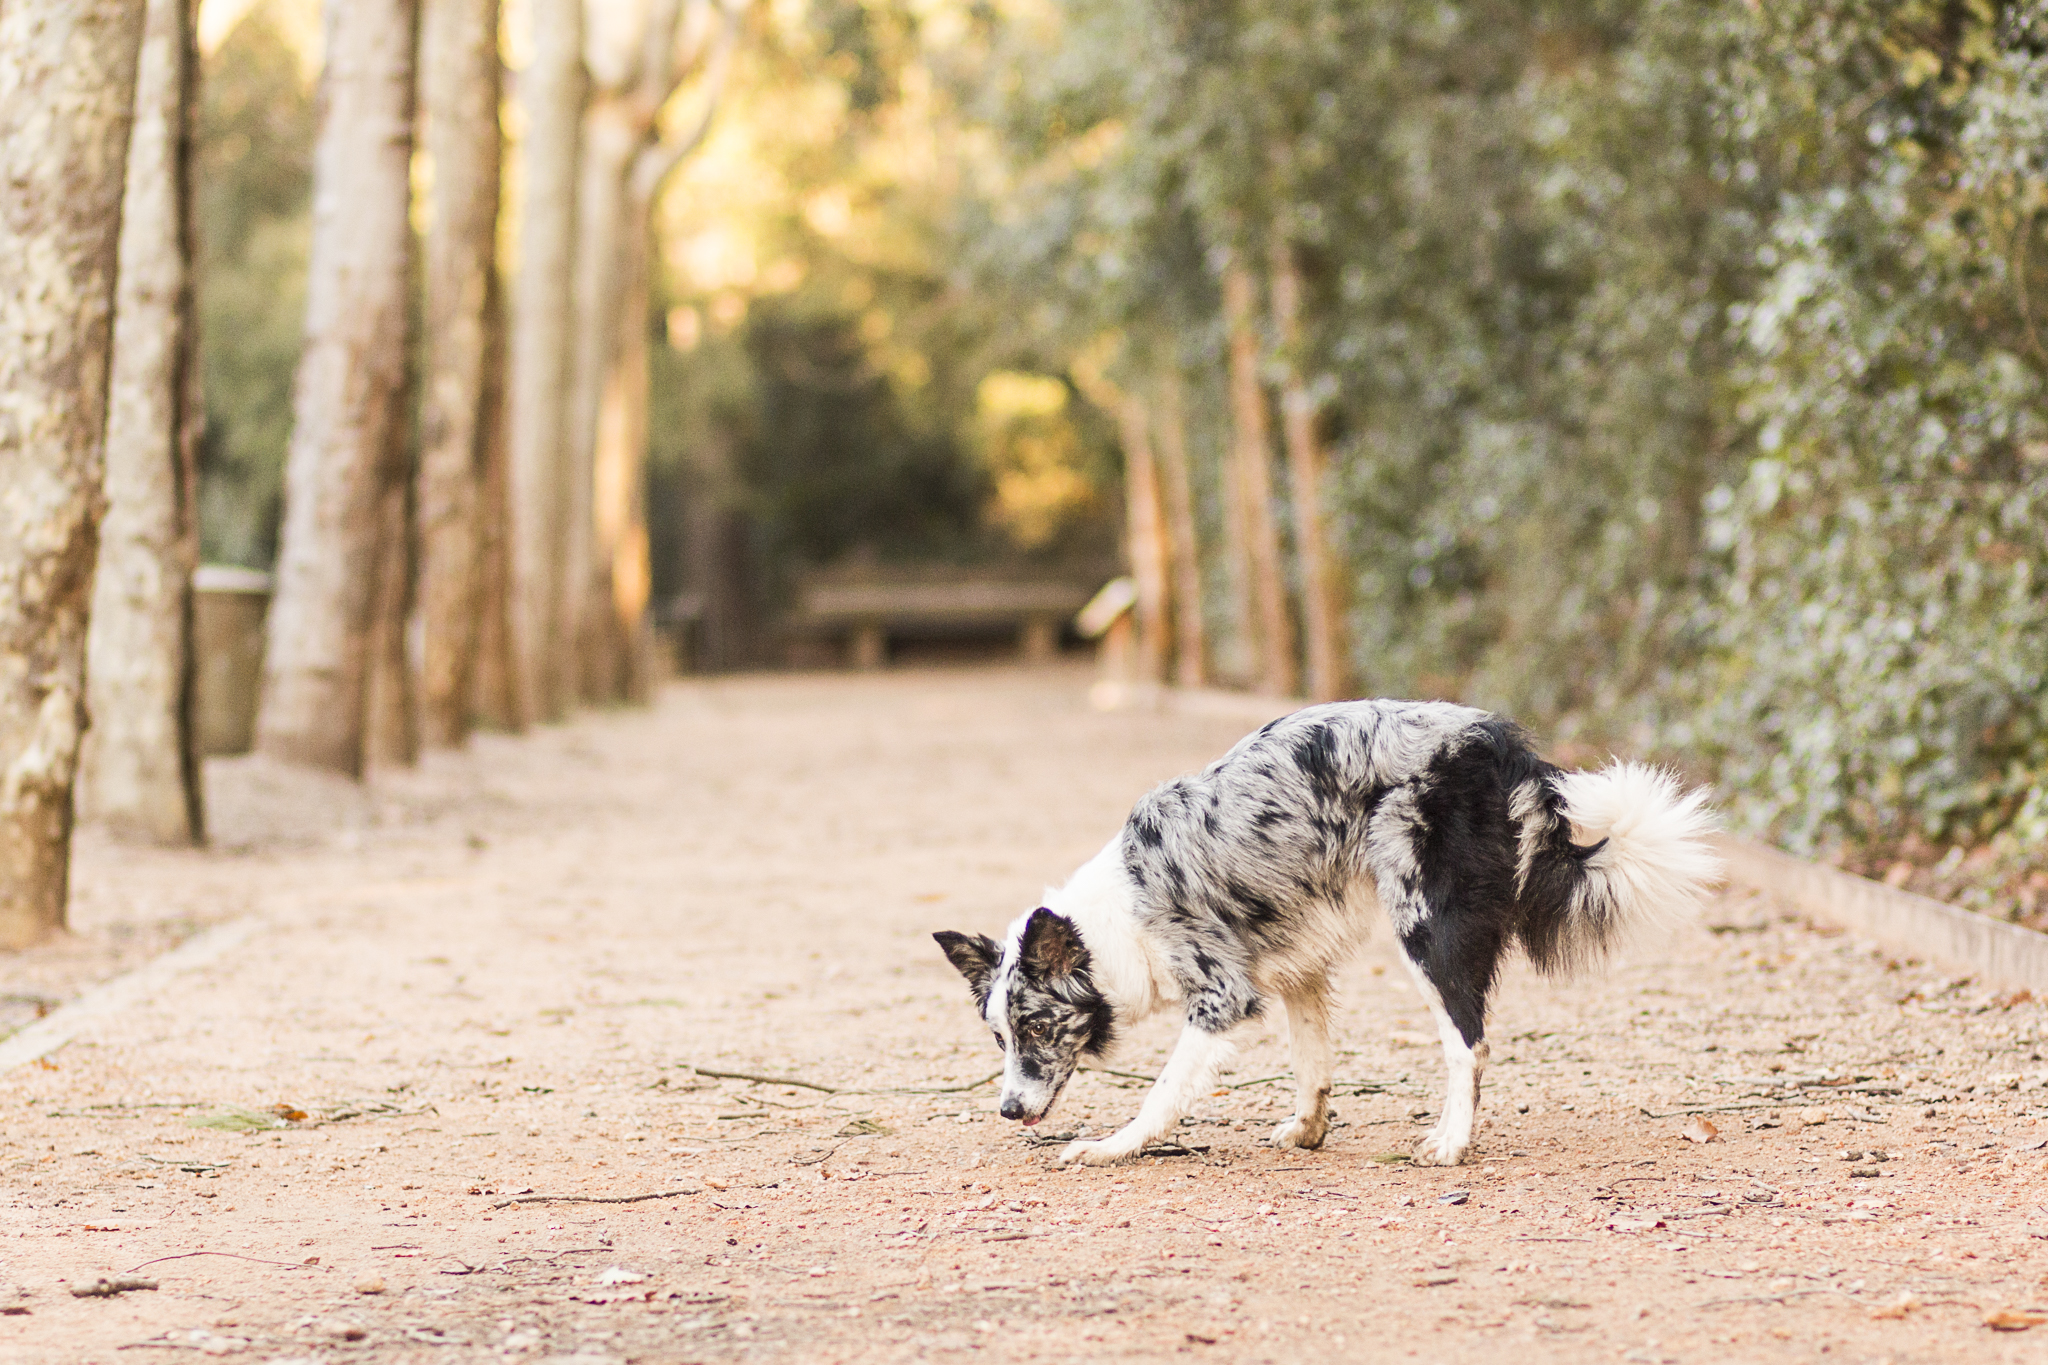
(867, 612)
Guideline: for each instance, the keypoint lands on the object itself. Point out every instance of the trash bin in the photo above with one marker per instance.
(228, 609)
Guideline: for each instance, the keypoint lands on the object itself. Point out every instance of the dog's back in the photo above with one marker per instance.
(1265, 866)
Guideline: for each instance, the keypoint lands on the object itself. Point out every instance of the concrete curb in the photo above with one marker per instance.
(63, 1024)
(1907, 924)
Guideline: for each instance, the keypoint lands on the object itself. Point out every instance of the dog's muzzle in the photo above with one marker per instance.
(1015, 1108)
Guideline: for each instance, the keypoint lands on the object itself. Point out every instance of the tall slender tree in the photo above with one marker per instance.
(459, 68)
(1176, 484)
(1145, 534)
(139, 772)
(1252, 458)
(67, 86)
(638, 59)
(348, 447)
(551, 93)
(1321, 607)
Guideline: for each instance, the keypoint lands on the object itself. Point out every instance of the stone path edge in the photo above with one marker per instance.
(1901, 921)
(61, 1025)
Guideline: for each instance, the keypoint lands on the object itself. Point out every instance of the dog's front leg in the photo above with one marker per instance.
(1308, 1045)
(1189, 1073)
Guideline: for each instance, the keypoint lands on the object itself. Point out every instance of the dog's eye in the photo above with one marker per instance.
(1034, 1033)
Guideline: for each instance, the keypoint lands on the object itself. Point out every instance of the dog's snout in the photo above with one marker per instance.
(1012, 1107)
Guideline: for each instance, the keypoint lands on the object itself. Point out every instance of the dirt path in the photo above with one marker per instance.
(491, 981)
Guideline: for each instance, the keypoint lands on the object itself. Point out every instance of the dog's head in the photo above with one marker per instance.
(1036, 994)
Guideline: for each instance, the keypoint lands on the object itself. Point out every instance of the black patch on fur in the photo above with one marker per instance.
(974, 958)
(1049, 947)
(1228, 862)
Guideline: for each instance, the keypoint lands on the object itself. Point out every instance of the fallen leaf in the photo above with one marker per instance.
(370, 1284)
(288, 1113)
(864, 1128)
(1699, 1130)
(234, 1119)
(2013, 1320)
(1897, 1308)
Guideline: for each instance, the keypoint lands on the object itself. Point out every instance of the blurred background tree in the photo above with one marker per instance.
(1675, 367)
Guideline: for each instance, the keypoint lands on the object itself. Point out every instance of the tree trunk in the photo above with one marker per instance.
(1190, 645)
(1146, 531)
(1253, 452)
(551, 91)
(139, 770)
(638, 59)
(495, 689)
(614, 130)
(1322, 612)
(620, 647)
(459, 120)
(67, 85)
(1238, 660)
(349, 402)
(392, 702)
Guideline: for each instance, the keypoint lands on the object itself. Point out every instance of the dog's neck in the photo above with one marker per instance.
(1102, 902)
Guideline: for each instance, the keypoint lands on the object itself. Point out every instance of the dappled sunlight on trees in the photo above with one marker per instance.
(1667, 374)
(1678, 363)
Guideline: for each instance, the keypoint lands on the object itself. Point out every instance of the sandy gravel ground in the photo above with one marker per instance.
(512, 977)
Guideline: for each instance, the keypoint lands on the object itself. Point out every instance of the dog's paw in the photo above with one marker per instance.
(1301, 1131)
(1096, 1152)
(1436, 1150)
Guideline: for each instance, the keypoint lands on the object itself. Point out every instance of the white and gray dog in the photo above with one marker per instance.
(1255, 878)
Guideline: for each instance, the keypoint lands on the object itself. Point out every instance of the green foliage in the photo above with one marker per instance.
(831, 462)
(1679, 360)
(252, 184)
(820, 373)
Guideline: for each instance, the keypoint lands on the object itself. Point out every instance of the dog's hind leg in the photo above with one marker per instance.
(1189, 1074)
(1308, 1042)
(1465, 1056)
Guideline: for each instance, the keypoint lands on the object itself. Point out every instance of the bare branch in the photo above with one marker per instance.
(656, 163)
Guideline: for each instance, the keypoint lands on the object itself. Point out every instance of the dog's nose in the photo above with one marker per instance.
(1012, 1107)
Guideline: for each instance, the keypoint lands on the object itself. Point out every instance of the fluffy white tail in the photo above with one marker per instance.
(1655, 867)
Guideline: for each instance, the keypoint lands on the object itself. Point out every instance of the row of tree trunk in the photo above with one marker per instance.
(1160, 518)
(501, 575)
(484, 563)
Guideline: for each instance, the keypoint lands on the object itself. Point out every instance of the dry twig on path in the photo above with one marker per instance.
(757, 1079)
(233, 1256)
(595, 1199)
(106, 1289)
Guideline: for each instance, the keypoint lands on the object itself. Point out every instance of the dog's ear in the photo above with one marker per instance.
(974, 958)
(1051, 947)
